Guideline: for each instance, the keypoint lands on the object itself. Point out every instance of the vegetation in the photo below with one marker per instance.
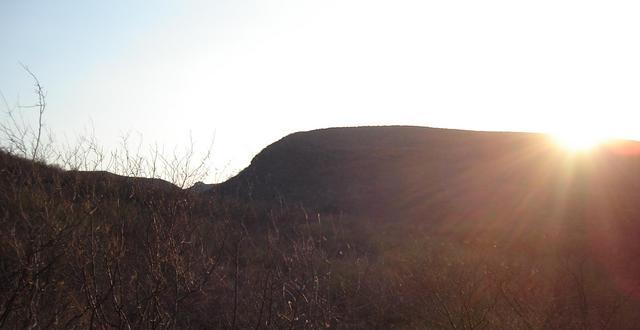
(97, 250)
(79, 251)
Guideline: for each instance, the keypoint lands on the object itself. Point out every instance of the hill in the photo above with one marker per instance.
(420, 172)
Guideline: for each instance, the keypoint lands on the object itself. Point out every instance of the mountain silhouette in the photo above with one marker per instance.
(433, 173)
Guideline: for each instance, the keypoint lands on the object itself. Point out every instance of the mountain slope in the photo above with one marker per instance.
(416, 170)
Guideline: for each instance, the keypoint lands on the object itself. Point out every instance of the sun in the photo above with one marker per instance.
(578, 140)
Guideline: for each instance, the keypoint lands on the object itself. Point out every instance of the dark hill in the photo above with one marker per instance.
(434, 173)
(19, 171)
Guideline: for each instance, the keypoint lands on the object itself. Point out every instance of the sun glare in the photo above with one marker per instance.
(578, 141)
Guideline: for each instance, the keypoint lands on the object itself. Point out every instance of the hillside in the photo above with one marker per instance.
(423, 172)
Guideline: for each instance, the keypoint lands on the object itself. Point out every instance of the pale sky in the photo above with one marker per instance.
(251, 72)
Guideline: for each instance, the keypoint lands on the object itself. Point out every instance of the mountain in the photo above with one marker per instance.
(421, 172)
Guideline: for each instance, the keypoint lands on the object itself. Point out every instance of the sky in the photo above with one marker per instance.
(246, 73)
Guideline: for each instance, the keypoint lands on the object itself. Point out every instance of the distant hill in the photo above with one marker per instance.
(429, 172)
(102, 184)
